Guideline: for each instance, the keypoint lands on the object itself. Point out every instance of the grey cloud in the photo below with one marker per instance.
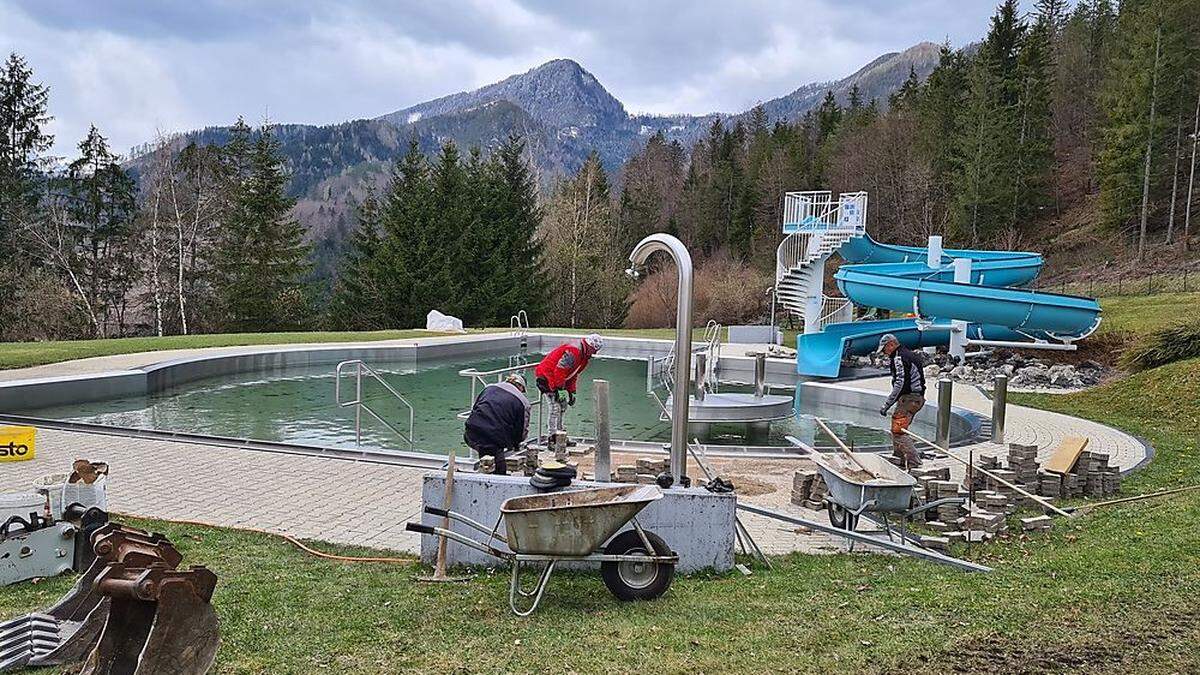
(134, 66)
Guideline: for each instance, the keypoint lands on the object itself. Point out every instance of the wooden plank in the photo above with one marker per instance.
(1063, 459)
(845, 450)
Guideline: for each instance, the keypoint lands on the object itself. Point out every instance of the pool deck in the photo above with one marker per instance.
(367, 504)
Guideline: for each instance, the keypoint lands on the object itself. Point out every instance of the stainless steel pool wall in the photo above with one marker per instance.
(860, 407)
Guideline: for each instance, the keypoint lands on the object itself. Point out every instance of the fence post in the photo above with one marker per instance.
(999, 407)
(603, 427)
(945, 387)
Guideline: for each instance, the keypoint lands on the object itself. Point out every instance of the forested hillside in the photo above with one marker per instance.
(1072, 130)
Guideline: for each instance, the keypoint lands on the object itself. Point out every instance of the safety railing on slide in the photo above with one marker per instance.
(360, 404)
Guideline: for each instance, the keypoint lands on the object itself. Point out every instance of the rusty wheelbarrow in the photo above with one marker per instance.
(573, 526)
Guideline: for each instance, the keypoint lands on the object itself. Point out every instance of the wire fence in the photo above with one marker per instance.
(1148, 283)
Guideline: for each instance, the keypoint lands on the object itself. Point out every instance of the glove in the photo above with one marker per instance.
(883, 412)
(570, 398)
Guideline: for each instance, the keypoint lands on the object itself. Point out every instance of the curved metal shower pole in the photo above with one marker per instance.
(683, 339)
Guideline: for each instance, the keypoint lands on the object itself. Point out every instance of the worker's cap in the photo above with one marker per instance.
(886, 340)
(517, 380)
(595, 342)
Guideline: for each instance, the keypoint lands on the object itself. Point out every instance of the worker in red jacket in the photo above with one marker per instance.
(559, 372)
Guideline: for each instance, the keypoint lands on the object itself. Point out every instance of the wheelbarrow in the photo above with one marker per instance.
(888, 491)
(546, 529)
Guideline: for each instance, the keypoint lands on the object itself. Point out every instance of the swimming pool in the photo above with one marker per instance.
(295, 404)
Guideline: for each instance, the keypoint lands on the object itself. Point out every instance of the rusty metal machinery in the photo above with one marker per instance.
(131, 611)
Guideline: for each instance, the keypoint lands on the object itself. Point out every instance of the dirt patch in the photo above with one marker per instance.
(750, 487)
(1089, 654)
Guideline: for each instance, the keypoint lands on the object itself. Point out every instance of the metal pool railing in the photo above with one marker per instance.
(480, 378)
(360, 405)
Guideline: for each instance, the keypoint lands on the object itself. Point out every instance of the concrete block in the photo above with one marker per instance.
(695, 523)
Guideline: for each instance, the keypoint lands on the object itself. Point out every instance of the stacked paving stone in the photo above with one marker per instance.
(809, 489)
(995, 501)
(985, 521)
(802, 482)
(1099, 479)
(626, 473)
(1036, 524)
(941, 489)
(1022, 461)
(1092, 477)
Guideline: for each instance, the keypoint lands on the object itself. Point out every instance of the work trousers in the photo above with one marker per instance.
(907, 408)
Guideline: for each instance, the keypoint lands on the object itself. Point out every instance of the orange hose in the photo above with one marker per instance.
(295, 542)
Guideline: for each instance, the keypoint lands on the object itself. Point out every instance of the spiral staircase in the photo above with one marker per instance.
(816, 225)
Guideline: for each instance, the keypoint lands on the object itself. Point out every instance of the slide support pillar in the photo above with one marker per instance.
(958, 329)
(815, 299)
(934, 252)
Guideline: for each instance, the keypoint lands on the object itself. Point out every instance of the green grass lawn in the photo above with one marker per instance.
(1117, 590)
(1140, 315)
(25, 354)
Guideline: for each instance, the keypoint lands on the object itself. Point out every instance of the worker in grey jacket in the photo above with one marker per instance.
(499, 420)
(908, 395)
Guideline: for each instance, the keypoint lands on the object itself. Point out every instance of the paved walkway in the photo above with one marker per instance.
(367, 504)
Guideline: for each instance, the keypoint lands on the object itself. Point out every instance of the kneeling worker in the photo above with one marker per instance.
(908, 394)
(499, 420)
(559, 372)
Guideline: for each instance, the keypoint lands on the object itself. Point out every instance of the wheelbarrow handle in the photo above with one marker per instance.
(491, 532)
(462, 539)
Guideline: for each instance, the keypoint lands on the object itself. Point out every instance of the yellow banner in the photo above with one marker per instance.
(16, 443)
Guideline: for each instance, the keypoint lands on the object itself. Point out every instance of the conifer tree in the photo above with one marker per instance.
(357, 302)
(102, 205)
(263, 257)
(23, 139)
(512, 213)
(405, 216)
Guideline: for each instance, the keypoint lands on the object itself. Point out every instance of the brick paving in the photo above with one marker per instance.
(366, 504)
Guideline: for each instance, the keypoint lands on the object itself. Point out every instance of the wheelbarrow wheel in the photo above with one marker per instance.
(841, 517)
(637, 580)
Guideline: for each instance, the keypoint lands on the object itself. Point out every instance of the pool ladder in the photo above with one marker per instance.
(359, 369)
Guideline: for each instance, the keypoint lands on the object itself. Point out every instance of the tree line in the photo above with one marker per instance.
(1089, 109)
(195, 239)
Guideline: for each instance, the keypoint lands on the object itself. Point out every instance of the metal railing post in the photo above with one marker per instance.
(760, 374)
(945, 400)
(999, 407)
(701, 375)
(603, 430)
(358, 404)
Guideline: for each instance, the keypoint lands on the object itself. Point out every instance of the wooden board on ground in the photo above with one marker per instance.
(1066, 454)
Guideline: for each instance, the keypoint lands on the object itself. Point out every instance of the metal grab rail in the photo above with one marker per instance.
(360, 405)
(519, 323)
(480, 377)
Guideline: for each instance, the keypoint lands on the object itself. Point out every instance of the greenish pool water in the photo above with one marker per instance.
(297, 405)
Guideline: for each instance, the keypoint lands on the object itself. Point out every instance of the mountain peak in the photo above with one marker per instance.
(559, 94)
(876, 80)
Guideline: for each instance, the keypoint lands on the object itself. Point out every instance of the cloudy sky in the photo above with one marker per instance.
(133, 67)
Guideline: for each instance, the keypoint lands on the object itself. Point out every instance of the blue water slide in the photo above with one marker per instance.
(898, 278)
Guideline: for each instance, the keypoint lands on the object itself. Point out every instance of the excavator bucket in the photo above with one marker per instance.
(68, 631)
(160, 622)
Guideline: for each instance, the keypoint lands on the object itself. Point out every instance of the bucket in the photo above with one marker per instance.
(62, 494)
(22, 505)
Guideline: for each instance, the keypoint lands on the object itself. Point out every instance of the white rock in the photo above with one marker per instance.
(435, 320)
